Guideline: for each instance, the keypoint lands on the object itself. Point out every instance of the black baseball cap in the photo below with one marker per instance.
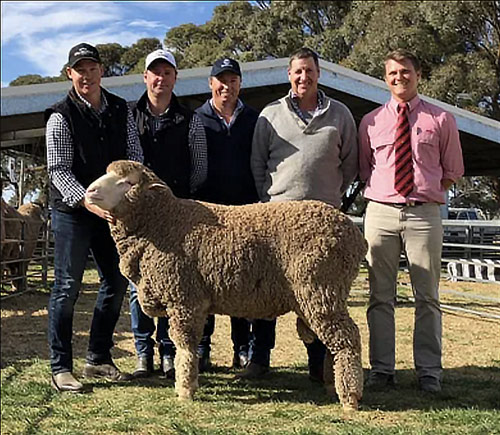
(83, 51)
(225, 64)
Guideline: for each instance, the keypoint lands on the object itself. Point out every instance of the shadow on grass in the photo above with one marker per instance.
(462, 388)
(25, 322)
(468, 387)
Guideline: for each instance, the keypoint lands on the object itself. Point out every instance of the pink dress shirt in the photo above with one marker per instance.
(436, 150)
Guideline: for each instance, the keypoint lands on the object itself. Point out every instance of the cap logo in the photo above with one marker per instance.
(83, 51)
(226, 62)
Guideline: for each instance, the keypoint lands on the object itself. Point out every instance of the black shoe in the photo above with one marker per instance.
(316, 374)
(167, 366)
(380, 381)
(107, 371)
(144, 367)
(429, 384)
(254, 371)
(240, 360)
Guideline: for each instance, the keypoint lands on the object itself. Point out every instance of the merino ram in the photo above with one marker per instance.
(190, 258)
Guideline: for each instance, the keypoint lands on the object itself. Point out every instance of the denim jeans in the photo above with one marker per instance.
(75, 236)
(144, 327)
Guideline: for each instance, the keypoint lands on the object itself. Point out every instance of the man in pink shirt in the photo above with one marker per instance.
(410, 155)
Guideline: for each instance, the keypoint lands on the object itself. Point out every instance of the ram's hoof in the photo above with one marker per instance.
(351, 405)
(185, 395)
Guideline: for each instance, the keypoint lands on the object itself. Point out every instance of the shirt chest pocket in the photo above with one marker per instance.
(382, 148)
(427, 148)
(379, 143)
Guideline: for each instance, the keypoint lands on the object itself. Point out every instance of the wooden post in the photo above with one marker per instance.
(21, 185)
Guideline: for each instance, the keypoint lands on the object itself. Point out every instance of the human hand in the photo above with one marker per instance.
(104, 214)
(446, 183)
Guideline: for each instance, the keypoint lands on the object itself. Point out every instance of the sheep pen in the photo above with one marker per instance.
(20, 229)
(190, 258)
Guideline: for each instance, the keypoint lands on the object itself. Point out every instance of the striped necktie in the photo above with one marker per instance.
(403, 180)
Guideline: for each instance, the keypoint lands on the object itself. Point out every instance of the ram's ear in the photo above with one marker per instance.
(134, 177)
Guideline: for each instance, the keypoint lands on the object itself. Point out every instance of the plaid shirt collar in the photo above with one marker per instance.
(237, 111)
(104, 103)
(161, 115)
(294, 99)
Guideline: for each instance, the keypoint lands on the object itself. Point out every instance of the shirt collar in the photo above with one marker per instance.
(148, 108)
(321, 98)
(412, 104)
(237, 109)
(104, 102)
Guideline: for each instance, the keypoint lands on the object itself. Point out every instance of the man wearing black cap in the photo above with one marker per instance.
(86, 131)
(175, 148)
(229, 126)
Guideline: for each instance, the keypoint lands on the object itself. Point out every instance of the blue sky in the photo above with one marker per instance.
(37, 35)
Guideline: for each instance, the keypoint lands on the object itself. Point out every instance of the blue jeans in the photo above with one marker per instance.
(75, 236)
(143, 328)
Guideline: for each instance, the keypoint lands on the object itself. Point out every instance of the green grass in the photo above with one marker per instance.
(285, 402)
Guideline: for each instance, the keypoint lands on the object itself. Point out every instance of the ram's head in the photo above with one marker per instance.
(123, 182)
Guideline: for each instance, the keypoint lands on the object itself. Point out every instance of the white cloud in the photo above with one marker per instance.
(4, 84)
(43, 32)
(26, 19)
(148, 24)
(50, 54)
(37, 35)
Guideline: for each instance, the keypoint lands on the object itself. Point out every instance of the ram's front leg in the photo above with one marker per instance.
(186, 329)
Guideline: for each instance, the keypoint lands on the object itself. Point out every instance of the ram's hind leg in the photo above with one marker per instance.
(186, 330)
(347, 361)
(308, 336)
(332, 324)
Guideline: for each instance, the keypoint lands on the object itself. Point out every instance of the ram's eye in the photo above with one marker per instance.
(125, 183)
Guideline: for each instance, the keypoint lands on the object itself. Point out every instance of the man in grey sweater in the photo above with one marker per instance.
(305, 147)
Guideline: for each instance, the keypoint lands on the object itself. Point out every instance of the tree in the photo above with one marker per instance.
(457, 42)
(480, 192)
(314, 24)
(226, 34)
(110, 56)
(181, 38)
(35, 79)
(35, 181)
(133, 57)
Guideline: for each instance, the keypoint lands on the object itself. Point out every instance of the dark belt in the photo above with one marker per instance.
(402, 204)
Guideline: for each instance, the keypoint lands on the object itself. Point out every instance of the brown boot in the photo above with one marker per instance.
(66, 382)
(107, 371)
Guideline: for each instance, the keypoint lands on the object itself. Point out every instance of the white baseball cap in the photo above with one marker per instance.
(160, 54)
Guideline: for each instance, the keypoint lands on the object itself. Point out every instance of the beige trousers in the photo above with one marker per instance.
(418, 231)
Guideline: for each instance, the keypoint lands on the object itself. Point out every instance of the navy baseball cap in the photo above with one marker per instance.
(225, 64)
(83, 51)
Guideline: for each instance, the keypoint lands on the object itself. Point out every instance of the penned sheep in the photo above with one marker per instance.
(190, 258)
(19, 237)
